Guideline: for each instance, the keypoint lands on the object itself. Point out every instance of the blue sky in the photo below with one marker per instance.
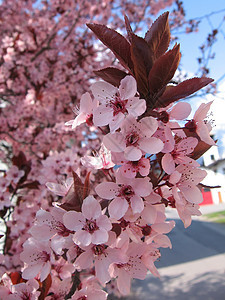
(190, 51)
(190, 42)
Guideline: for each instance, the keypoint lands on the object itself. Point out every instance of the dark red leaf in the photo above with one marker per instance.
(182, 90)
(142, 60)
(16, 277)
(163, 70)
(201, 147)
(86, 188)
(33, 185)
(128, 28)
(21, 162)
(76, 194)
(111, 75)
(115, 42)
(158, 36)
(45, 286)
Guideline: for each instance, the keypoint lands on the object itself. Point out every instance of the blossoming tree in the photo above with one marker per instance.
(85, 221)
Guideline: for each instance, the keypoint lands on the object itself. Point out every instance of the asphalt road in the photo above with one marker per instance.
(193, 270)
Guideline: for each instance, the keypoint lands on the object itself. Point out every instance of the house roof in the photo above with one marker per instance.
(216, 163)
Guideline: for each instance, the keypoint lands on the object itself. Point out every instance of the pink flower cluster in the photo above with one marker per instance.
(121, 224)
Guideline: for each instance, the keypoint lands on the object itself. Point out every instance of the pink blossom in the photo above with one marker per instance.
(60, 189)
(200, 125)
(59, 288)
(116, 103)
(179, 155)
(132, 268)
(26, 290)
(63, 269)
(102, 255)
(14, 174)
(179, 111)
(125, 192)
(90, 226)
(100, 161)
(131, 168)
(186, 209)
(85, 114)
(37, 257)
(49, 225)
(185, 178)
(135, 138)
(89, 293)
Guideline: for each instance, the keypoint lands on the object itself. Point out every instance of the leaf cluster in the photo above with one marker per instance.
(149, 61)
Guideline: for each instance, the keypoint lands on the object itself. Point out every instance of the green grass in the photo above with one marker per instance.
(218, 217)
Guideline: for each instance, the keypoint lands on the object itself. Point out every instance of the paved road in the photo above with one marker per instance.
(194, 269)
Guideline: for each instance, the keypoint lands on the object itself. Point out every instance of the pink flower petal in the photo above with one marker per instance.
(103, 91)
(56, 188)
(137, 204)
(132, 153)
(136, 106)
(101, 269)
(84, 260)
(163, 227)
(45, 271)
(82, 237)
(114, 142)
(103, 222)
(168, 163)
(203, 133)
(73, 220)
(91, 208)
(180, 111)
(86, 103)
(192, 194)
(81, 118)
(202, 111)
(149, 214)
(31, 271)
(123, 282)
(142, 186)
(116, 121)
(151, 145)
(128, 87)
(107, 190)
(102, 115)
(99, 236)
(117, 208)
(148, 125)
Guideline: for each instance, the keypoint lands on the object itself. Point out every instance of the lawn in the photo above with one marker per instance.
(218, 217)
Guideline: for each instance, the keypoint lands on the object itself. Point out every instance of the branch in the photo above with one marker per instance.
(76, 281)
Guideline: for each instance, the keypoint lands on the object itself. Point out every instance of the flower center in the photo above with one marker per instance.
(90, 226)
(61, 229)
(164, 117)
(89, 120)
(98, 249)
(191, 126)
(132, 139)
(146, 230)
(127, 192)
(118, 105)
